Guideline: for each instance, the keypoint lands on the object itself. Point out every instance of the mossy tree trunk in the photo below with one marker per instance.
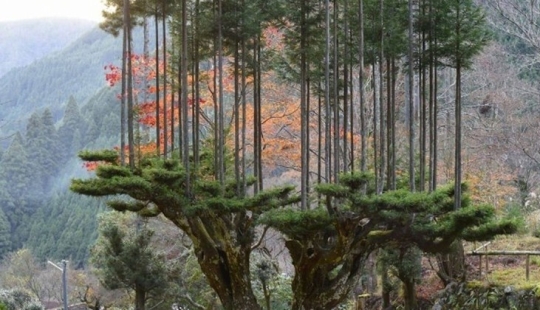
(220, 225)
(223, 255)
(326, 267)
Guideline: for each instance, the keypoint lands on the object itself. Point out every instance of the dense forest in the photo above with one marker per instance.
(304, 154)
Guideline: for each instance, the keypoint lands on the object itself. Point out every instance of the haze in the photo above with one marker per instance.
(30, 9)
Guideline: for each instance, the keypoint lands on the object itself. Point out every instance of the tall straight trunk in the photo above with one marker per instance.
(335, 99)
(432, 107)
(158, 112)
(327, 107)
(123, 97)
(389, 121)
(196, 90)
(393, 126)
(130, 124)
(457, 154)
(244, 102)
(184, 98)
(259, 104)
(374, 82)
(221, 112)
(382, 133)
(423, 109)
(256, 118)
(457, 158)
(304, 149)
(173, 109)
(216, 110)
(412, 186)
(346, 112)
(165, 108)
(435, 125)
(320, 136)
(236, 116)
(361, 94)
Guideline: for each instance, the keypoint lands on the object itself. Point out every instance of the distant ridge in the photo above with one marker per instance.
(24, 41)
(76, 70)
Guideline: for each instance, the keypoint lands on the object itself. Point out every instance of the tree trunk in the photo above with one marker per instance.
(410, 98)
(140, 298)
(227, 271)
(409, 294)
(157, 111)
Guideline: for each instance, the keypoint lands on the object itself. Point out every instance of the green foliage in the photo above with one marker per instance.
(5, 235)
(43, 151)
(465, 30)
(73, 127)
(125, 259)
(65, 227)
(18, 299)
(298, 224)
(464, 295)
(517, 213)
(268, 284)
(108, 156)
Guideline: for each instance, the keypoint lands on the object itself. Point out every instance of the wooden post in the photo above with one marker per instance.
(527, 267)
(480, 263)
(487, 262)
(526, 253)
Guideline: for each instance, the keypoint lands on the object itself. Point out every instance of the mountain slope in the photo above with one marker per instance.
(22, 42)
(76, 70)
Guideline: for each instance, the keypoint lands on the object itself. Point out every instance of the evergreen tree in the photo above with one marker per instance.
(34, 148)
(42, 147)
(65, 226)
(51, 154)
(72, 124)
(220, 224)
(125, 260)
(5, 232)
(329, 250)
(17, 200)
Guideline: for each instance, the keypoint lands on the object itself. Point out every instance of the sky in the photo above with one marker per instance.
(29, 9)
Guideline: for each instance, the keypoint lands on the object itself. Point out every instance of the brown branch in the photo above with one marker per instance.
(258, 244)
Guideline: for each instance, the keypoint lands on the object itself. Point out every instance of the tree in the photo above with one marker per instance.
(18, 299)
(214, 218)
(21, 271)
(328, 250)
(16, 199)
(43, 150)
(124, 258)
(5, 232)
(72, 122)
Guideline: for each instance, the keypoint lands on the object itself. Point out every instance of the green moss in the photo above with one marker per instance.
(475, 284)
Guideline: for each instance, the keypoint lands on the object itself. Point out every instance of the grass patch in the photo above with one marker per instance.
(514, 277)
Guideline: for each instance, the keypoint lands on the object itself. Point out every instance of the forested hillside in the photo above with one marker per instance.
(22, 42)
(77, 70)
(272, 154)
(53, 108)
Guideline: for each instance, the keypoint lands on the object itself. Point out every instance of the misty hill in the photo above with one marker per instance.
(60, 104)
(22, 42)
(76, 70)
